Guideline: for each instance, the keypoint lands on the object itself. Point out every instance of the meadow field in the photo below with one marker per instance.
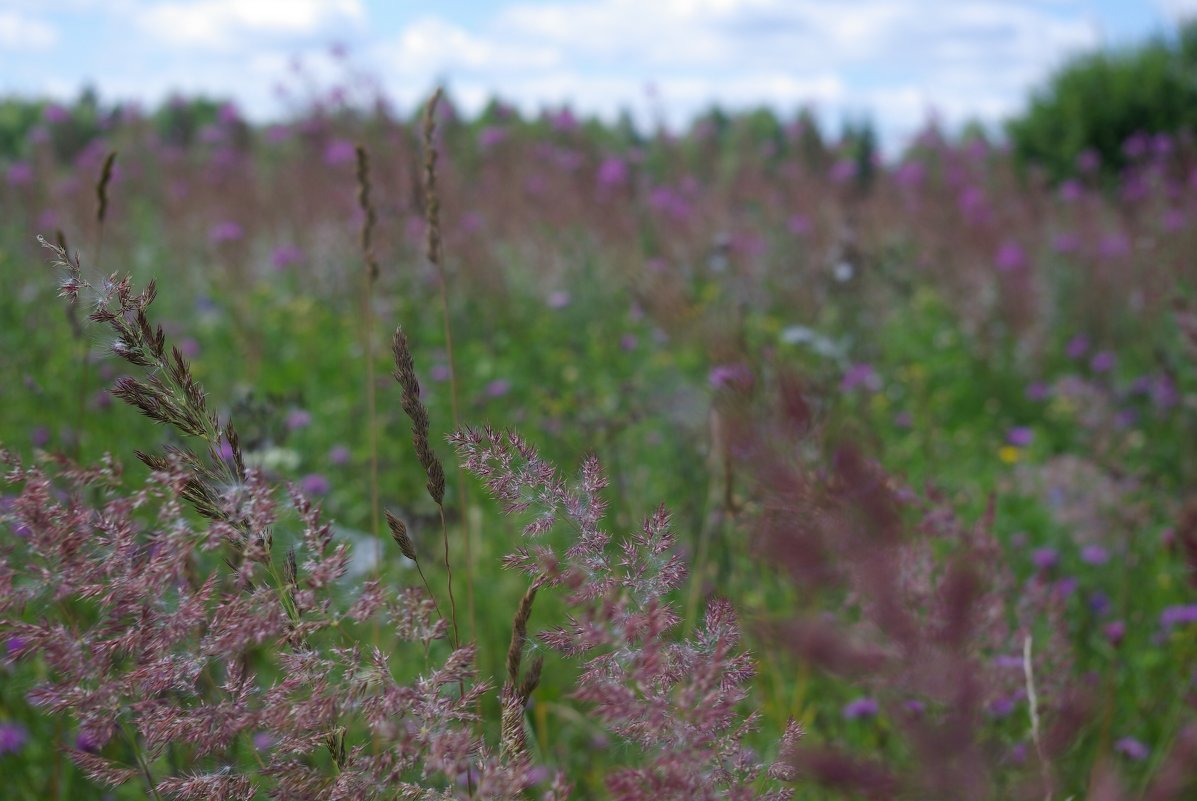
(736, 463)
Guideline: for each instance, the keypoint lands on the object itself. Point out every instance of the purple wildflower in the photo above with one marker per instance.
(1001, 707)
(731, 376)
(843, 171)
(669, 201)
(20, 173)
(1163, 393)
(910, 175)
(1071, 191)
(189, 347)
(1077, 347)
(558, 300)
(612, 173)
(1174, 220)
(39, 436)
(1099, 602)
(226, 231)
(1135, 146)
(798, 224)
(14, 645)
(1020, 436)
(338, 152)
(440, 372)
(1010, 257)
(100, 400)
(1113, 246)
(861, 376)
(314, 484)
(1178, 615)
(298, 418)
(264, 741)
(1045, 558)
(13, 737)
(1066, 242)
(1115, 631)
(1102, 362)
(1094, 555)
(1131, 748)
(1037, 391)
(1065, 587)
(55, 114)
(285, 256)
(472, 221)
(498, 388)
(564, 120)
(974, 206)
(229, 114)
(861, 709)
(628, 342)
(490, 136)
(339, 455)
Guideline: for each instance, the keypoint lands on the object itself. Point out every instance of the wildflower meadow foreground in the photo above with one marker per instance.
(925, 429)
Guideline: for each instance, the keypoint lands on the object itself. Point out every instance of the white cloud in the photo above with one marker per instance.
(228, 23)
(432, 44)
(900, 59)
(18, 32)
(1178, 9)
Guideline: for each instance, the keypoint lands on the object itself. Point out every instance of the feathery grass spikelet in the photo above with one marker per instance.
(405, 375)
(432, 207)
(102, 187)
(401, 537)
(370, 217)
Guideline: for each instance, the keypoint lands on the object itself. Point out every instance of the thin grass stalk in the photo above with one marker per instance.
(408, 549)
(102, 182)
(1033, 705)
(142, 765)
(435, 257)
(367, 247)
(517, 690)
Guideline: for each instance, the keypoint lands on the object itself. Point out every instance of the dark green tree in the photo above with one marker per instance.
(1098, 100)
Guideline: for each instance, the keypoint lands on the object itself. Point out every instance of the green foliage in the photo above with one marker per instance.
(1098, 100)
(17, 118)
(179, 121)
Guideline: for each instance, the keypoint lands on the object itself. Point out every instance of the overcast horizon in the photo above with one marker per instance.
(894, 61)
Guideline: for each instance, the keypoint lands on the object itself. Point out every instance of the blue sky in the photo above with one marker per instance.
(897, 60)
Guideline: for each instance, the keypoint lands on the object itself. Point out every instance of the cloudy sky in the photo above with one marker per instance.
(896, 60)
